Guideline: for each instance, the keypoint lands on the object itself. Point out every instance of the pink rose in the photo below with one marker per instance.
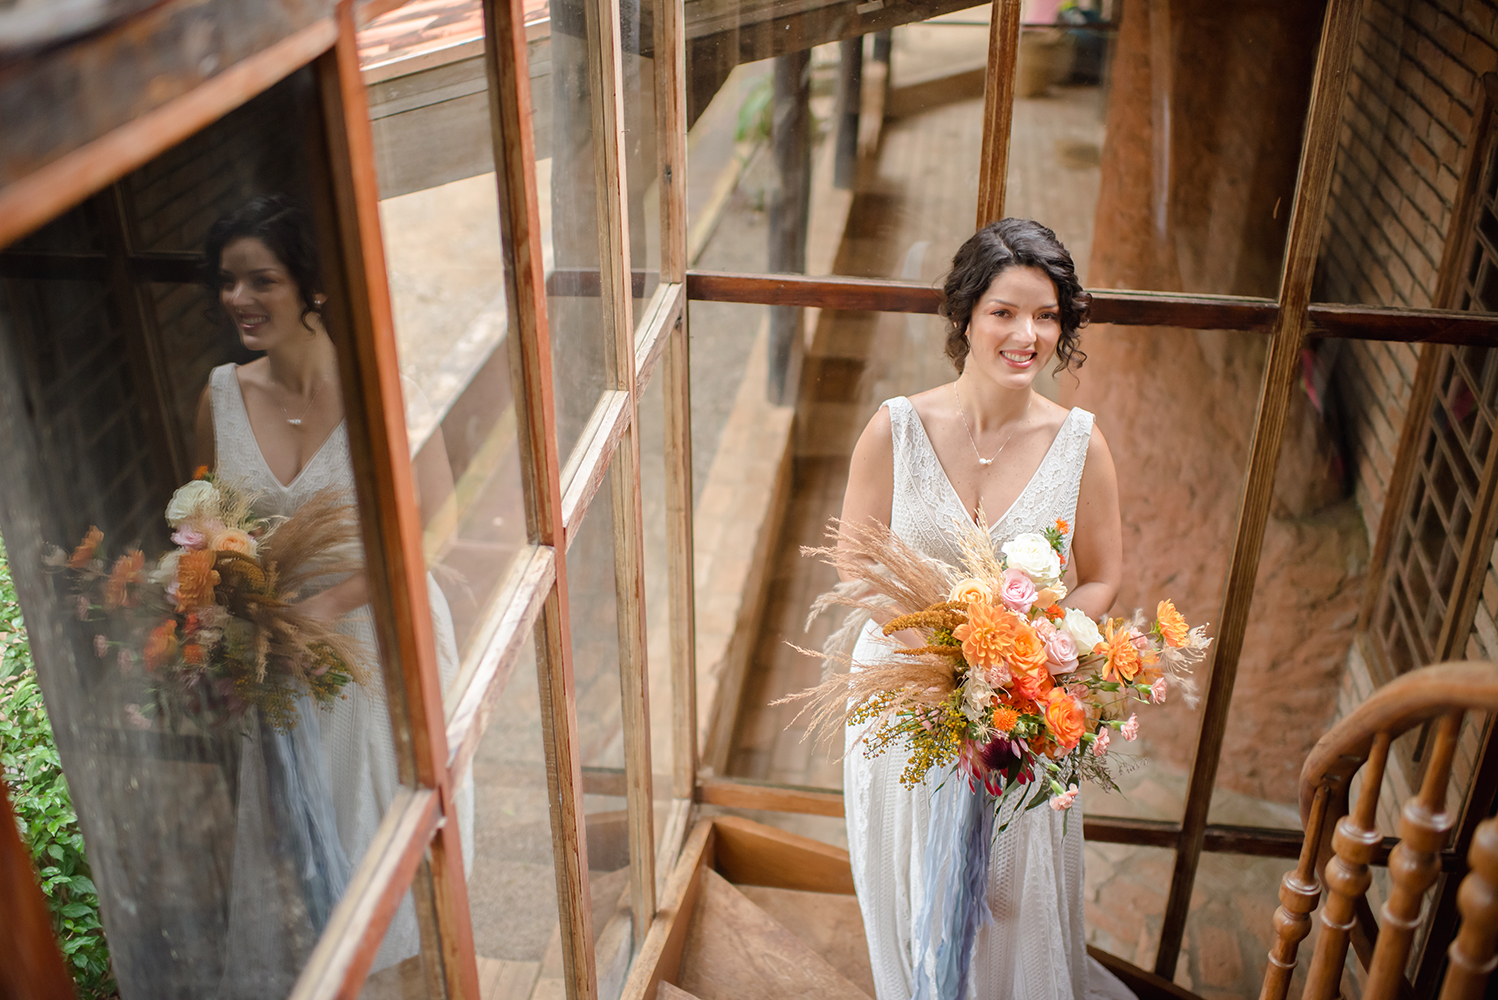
(1157, 691)
(1063, 800)
(1100, 745)
(189, 538)
(1060, 651)
(1130, 729)
(1016, 591)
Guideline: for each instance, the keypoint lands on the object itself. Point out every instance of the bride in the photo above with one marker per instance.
(924, 466)
(309, 800)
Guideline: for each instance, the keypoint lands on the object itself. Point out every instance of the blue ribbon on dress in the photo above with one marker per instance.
(959, 842)
(301, 808)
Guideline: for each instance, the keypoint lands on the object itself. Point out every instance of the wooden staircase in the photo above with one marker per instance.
(752, 912)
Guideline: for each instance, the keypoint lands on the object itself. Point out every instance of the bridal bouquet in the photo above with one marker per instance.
(216, 626)
(1021, 697)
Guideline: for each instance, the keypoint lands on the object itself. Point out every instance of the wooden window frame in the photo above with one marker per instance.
(536, 601)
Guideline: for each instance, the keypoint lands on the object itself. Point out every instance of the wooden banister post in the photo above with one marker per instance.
(1300, 890)
(1347, 878)
(1414, 865)
(1472, 953)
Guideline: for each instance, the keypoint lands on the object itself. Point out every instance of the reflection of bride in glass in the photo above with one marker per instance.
(310, 798)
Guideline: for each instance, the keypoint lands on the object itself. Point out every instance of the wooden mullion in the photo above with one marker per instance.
(1281, 371)
(340, 962)
(502, 644)
(506, 60)
(606, 87)
(1476, 554)
(392, 530)
(998, 109)
(662, 314)
(671, 136)
(681, 560)
(591, 460)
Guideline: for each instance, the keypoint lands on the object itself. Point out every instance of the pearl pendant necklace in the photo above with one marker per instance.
(985, 462)
(297, 421)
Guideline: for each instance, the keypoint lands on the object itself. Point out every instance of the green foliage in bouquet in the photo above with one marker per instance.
(44, 811)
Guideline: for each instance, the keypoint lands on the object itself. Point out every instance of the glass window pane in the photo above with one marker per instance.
(439, 216)
(643, 202)
(206, 646)
(566, 182)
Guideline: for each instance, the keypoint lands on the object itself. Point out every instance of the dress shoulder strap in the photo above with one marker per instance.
(232, 436)
(1073, 456)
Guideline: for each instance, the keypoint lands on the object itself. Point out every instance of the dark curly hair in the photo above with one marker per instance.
(996, 248)
(286, 230)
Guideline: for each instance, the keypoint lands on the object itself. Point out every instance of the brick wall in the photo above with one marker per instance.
(1408, 115)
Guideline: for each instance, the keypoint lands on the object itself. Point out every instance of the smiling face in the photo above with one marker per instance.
(1015, 327)
(260, 296)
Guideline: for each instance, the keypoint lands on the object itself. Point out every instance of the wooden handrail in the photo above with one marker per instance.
(1338, 848)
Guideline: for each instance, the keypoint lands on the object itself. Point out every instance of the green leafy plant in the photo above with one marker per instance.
(29, 765)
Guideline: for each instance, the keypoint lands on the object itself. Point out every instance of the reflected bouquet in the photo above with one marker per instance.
(1018, 695)
(215, 626)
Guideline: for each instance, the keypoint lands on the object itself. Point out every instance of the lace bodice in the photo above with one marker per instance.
(927, 512)
(241, 462)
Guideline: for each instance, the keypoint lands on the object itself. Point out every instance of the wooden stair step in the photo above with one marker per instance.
(668, 992)
(830, 924)
(736, 951)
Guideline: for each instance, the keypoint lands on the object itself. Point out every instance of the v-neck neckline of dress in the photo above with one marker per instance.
(260, 452)
(952, 490)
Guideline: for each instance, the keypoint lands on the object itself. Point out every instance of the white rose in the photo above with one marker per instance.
(1083, 630)
(1033, 554)
(166, 569)
(186, 500)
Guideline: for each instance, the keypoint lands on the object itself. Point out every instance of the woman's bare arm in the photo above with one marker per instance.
(1097, 545)
(871, 474)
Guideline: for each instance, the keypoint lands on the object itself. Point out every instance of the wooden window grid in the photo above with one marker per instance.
(413, 833)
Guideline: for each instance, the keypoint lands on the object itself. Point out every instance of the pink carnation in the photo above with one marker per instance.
(1157, 691)
(1100, 745)
(139, 721)
(189, 538)
(1130, 729)
(101, 646)
(1063, 801)
(1016, 591)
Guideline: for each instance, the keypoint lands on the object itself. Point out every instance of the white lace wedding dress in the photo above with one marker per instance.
(1036, 947)
(269, 936)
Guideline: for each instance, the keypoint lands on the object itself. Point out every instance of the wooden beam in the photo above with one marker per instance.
(671, 135)
(1281, 369)
(683, 616)
(998, 109)
(46, 193)
(391, 520)
(1409, 326)
(507, 63)
(742, 793)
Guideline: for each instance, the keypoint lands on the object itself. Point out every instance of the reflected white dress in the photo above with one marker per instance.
(269, 936)
(1036, 947)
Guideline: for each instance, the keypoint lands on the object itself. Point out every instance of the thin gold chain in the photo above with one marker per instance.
(981, 460)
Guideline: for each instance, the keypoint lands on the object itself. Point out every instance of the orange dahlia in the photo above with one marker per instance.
(127, 570)
(1173, 628)
(1122, 654)
(161, 645)
(987, 635)
(86, 548)
(196, 578)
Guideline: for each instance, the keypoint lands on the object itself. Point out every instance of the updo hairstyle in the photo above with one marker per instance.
(286, 230)
(996, 248)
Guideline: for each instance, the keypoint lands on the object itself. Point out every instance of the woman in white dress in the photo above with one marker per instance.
(925, 466)
(275, 427)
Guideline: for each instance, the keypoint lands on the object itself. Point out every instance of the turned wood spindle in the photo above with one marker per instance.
(1299, 891)
(1347, 877)
(1414, 865)
(1473, 952)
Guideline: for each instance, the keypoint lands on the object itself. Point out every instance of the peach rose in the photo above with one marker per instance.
(1065, 717)
(1031, 676)
(233, 540)
(971, 591)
